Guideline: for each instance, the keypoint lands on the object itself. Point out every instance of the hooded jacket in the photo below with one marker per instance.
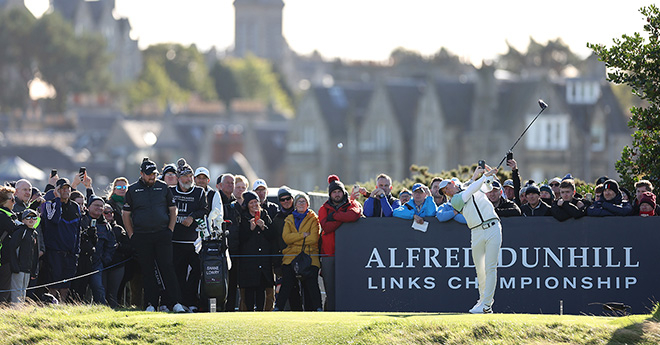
(332, 217)
(60, 224)
(569, 209)
(409, 209)
(614, 207)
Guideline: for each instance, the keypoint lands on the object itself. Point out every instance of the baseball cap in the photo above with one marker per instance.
(444, 183)
(62, 182)
(508, 183)
(259, 183)
(497, 185)
(417, 186)
(148, 167)
(202, 170)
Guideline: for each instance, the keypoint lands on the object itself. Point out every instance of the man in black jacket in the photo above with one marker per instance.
(149, 217)
(568, 205)
(503, 207)
(191, 203)
(534, 206)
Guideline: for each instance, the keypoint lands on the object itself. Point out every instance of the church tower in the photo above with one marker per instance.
(259, 29)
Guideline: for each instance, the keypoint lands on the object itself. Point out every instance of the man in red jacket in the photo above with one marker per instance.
(339, 209)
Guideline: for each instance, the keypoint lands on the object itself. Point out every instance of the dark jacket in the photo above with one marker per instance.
(8, 226)
(123, 249)
(278, 226)
(569, 209)
(189, 204)
(104, 248)
(149, 206)
(271, 207)
(614, 207)
(542, 209)
(507, 208)
(256, 248)
(21, 246)
(60, 223)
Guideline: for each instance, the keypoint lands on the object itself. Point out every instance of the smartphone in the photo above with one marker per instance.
(482, 164)
(509, 155)
(257, 216)
(356, 188)
(82, 172)
(53, 172)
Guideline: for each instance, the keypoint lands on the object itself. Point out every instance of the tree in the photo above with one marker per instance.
(16, 57)
(555, 56)
(225, 84)
(633, 60)
(155, 86)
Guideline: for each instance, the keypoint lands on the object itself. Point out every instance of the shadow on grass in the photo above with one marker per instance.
(407, 315)
(647, 332)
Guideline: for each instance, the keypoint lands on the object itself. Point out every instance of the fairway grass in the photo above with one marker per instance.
(101, 325)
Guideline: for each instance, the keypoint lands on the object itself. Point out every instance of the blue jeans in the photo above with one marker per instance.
(96, 284)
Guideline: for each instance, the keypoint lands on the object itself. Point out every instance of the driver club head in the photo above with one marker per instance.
(542, 104)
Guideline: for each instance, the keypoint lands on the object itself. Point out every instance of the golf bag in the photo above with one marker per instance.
(215, 265)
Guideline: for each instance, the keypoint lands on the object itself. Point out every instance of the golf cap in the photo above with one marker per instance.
(148, 167)
(202, 171)
(496, 185)
(417, 186)
(259, 183)
(62, 182)
(443, 184)
(508, 183)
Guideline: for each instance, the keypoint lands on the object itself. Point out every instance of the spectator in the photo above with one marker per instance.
(21, 247)
(22, 198)
(647, 205)
(225, 198)
(547, 194)
(554, 185)
(169, 175)
(640, 187)
(380, 202)
(113, 277)
(625, 194)
(261, 188)
(601, 180)
(503, 206)
(438, 197)
(149, 217)
(191, 204)
(8, 224)
(36, 194)
(518, 195)
(509, 192)
(446, 211)
(240, 186)
(404, 196)
(234, 214)
(202, 179)
(255, 243)
(79, 198)
(569, 205)
(421, 205)
(225, 185)
(286, 208)
(116, 198)
(535, 206)
(609, 202)
(61, 228)
(339, 209)
(301, 233)
(523, 196)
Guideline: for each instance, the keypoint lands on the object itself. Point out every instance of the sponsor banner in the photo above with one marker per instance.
(545, 266)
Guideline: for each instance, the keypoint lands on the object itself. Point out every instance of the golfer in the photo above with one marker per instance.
(486, 231)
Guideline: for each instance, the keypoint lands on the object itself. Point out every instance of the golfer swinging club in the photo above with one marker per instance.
(486, 231)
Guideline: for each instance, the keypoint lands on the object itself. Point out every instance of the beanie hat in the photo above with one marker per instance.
(249, 196)
(182, 167)
(532, 189)
(301, 196)
(601, 180)
(283, 191)
(547, 188)
(334, 184)
(94, 198)
(613, 185)
(169, 168)
(649, 198)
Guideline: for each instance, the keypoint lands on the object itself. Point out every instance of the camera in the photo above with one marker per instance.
(82, 172)
(509, 155)
(53, 172)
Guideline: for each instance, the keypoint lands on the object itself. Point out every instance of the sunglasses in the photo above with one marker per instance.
(31, 218)
(554, 184)
(121, 187)
(287, 198)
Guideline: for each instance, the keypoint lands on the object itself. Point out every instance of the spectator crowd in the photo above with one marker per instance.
(137, 244)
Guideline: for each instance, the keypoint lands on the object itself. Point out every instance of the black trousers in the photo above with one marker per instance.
(232, 285)
(310, 287)
(184, 256)
(156, 246)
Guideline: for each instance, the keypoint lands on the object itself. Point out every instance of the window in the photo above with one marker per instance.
(548, 133)
(306, 141)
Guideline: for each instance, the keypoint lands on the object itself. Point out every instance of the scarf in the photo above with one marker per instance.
(118, 199)
(649, 213)
(298, 218)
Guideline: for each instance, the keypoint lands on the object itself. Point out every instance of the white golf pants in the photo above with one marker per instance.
(486, 245)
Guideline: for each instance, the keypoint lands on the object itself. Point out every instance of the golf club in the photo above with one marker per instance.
(543, 105)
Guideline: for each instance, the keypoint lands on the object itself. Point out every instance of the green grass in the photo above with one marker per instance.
(100, 325)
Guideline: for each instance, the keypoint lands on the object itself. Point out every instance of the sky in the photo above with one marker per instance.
(371, 29)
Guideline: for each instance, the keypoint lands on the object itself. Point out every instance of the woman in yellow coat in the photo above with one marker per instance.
(301, 226)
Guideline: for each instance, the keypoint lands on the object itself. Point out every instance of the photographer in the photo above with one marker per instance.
(381, 203)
